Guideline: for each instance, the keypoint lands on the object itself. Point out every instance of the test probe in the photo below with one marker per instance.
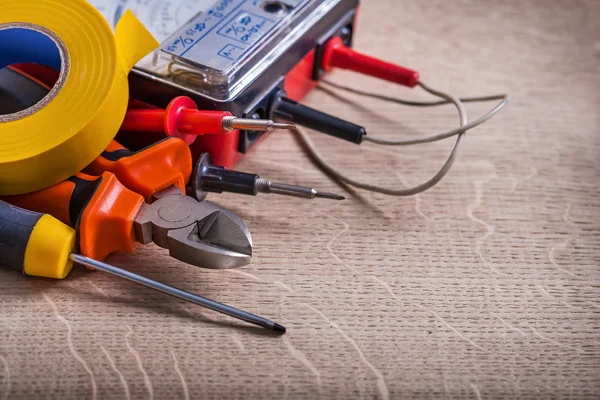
(335, 53)
(182, 119)
(40, 245)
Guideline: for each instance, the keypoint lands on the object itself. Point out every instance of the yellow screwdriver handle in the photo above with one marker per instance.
(34, 244)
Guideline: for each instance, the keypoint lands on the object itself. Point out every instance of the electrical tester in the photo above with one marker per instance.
(247, 57)
(258, 59)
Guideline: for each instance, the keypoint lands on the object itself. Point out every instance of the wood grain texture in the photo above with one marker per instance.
(487, 286)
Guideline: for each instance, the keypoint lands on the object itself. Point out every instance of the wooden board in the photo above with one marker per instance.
(486, 286)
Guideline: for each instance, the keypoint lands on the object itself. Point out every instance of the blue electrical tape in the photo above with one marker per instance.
(20, 45)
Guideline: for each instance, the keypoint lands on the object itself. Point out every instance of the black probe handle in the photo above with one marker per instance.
(16, 226)
(217, 179)
(295, 112)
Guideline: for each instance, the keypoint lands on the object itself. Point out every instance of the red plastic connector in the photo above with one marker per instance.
(337, 55)
(181, 119)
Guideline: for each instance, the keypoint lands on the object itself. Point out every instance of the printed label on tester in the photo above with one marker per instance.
(221, 35)
(246, 28)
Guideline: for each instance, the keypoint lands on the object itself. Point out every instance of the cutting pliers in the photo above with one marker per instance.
(108, 217)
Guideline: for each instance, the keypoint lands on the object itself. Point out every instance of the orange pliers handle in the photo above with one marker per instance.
(100, 208)
(160, 166)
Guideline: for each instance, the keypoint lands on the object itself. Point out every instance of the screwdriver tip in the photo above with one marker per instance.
(279, 328)
(331, 196)
(278, 125)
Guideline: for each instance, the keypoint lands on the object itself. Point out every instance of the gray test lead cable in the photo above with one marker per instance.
(464, 126)
(505, 98)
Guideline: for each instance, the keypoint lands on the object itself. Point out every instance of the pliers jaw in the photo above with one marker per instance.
(203, 234)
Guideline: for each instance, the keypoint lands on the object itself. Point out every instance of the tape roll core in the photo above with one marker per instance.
(64, 66)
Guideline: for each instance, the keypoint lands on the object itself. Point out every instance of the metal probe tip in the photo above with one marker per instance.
(249, 124)
(181, 294)
(279, 125)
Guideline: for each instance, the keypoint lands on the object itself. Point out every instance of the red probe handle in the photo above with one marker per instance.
(337, 54)
(207, 122)
(144, 121)
(181, 119)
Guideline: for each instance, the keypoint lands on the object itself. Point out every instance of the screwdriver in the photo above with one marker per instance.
(40, 245)
(336, 54)
(182, 119)
(216, 179)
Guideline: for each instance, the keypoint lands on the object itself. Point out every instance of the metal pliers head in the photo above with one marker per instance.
(198, 233)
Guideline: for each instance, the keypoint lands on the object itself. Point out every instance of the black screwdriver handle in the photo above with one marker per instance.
(16, 226)
(215, 179)
(297, 113)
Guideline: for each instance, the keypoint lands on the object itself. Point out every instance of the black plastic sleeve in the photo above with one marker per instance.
(218, 180)
(297, 113)
(82, 194)
(16, 225)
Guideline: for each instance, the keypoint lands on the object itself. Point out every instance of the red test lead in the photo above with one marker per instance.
(182, 119)
(337, 54)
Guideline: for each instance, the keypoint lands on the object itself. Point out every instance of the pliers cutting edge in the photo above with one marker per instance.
(189, 229)
(198, 233)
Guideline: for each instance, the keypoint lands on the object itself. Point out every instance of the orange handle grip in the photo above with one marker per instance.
(60, 200)
(100, 208)
(165, 164)
(106, 224)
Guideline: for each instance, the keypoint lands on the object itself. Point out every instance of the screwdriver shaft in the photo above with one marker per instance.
(266, 186)
(181, 294)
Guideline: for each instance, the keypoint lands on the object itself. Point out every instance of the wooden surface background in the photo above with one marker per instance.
(486, 286)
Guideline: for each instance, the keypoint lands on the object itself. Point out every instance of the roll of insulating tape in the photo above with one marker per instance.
(60, 135)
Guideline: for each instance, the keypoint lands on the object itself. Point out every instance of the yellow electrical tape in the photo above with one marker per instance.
(63, 133)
